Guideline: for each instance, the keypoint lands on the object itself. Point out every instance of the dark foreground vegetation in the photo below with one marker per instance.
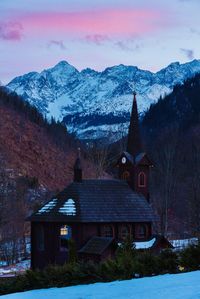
(129, 263)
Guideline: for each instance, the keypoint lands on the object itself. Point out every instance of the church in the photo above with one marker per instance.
(98, 214)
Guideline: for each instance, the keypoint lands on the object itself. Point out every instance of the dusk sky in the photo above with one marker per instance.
(37, 34)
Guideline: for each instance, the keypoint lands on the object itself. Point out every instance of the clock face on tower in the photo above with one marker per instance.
(123, 160)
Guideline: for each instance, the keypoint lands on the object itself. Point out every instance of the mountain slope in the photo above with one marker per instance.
(181, 109)
(28, 149)
(98, 104)
(171, 131)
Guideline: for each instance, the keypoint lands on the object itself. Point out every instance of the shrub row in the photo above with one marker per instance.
(128, 264)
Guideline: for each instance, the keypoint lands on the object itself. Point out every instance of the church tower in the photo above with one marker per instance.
(134, 146)
(78, 168)
(134, 163)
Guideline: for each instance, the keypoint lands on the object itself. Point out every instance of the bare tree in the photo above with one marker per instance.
(164, 178)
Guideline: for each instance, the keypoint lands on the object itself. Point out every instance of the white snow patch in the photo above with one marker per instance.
(183, 243)
(145, 244)
(48, 207)
(68, 208)
(15, 269)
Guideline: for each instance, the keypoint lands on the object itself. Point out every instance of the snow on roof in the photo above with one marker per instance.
(145, 244)
(68, 208)
(48, 207)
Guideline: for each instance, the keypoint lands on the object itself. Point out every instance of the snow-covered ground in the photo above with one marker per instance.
(14, 269)
(176, 286)
(183, 243)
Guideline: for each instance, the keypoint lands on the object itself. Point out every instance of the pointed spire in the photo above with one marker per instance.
(78, 168)
(134, 146)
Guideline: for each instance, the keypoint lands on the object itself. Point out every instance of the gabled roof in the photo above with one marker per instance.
(129, 157)
(96, 201)
(96, 245)
(143, 159)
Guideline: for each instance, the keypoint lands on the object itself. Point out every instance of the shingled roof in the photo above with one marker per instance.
(96, 201)
(96, 245)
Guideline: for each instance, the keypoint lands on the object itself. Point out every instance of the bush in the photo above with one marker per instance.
(190, 258)
(146, 264)
(126, 265)
(168, 261)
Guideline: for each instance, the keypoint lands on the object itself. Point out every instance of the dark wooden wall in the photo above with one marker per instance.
(81, 233)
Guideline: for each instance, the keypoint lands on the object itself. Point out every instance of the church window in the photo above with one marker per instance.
(141, 179)
(65, 235)
(107, 231)
(141, 231)
(40, 238)
(125, 175)
(124, 232)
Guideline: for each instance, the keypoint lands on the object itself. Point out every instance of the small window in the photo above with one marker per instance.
(107, 231)
(125, 175)
(65, 235)
(141, 179)
(124, 232)
(40, 238)
(141, 231)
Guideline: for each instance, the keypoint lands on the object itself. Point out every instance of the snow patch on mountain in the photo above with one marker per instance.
(98, 104)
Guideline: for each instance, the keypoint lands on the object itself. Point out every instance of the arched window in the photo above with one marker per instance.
(141, 231)
(65, 235)
(124, 232)
(125, 175)
(141, 179)
(40, 237)
(107, 231)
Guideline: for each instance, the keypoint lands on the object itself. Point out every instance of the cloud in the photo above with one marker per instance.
(188, 52)
(96, 24)
(11, 31)
(97, 39)
(194, 31)
(58, 43)
(126, 45)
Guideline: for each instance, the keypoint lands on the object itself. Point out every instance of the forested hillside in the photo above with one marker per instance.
(36, 160)
(171, 130)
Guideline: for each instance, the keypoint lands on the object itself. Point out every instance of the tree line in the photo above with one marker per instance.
(55, 129)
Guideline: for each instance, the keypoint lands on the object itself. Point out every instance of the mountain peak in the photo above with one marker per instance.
(95, 103)
(63, 66)
(62, 63)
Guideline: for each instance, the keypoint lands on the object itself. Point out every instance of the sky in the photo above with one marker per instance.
(37, 34)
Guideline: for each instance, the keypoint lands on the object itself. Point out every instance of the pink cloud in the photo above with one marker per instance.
(118, 22)
(10, 31)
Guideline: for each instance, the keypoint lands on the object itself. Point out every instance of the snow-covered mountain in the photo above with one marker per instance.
(97, 104)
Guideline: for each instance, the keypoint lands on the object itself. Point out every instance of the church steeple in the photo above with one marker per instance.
(134, 146)
(78, 169)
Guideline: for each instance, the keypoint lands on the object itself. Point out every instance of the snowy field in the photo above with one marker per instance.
(177, 286)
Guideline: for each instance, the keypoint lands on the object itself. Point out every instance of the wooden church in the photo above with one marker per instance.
(98, 214)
